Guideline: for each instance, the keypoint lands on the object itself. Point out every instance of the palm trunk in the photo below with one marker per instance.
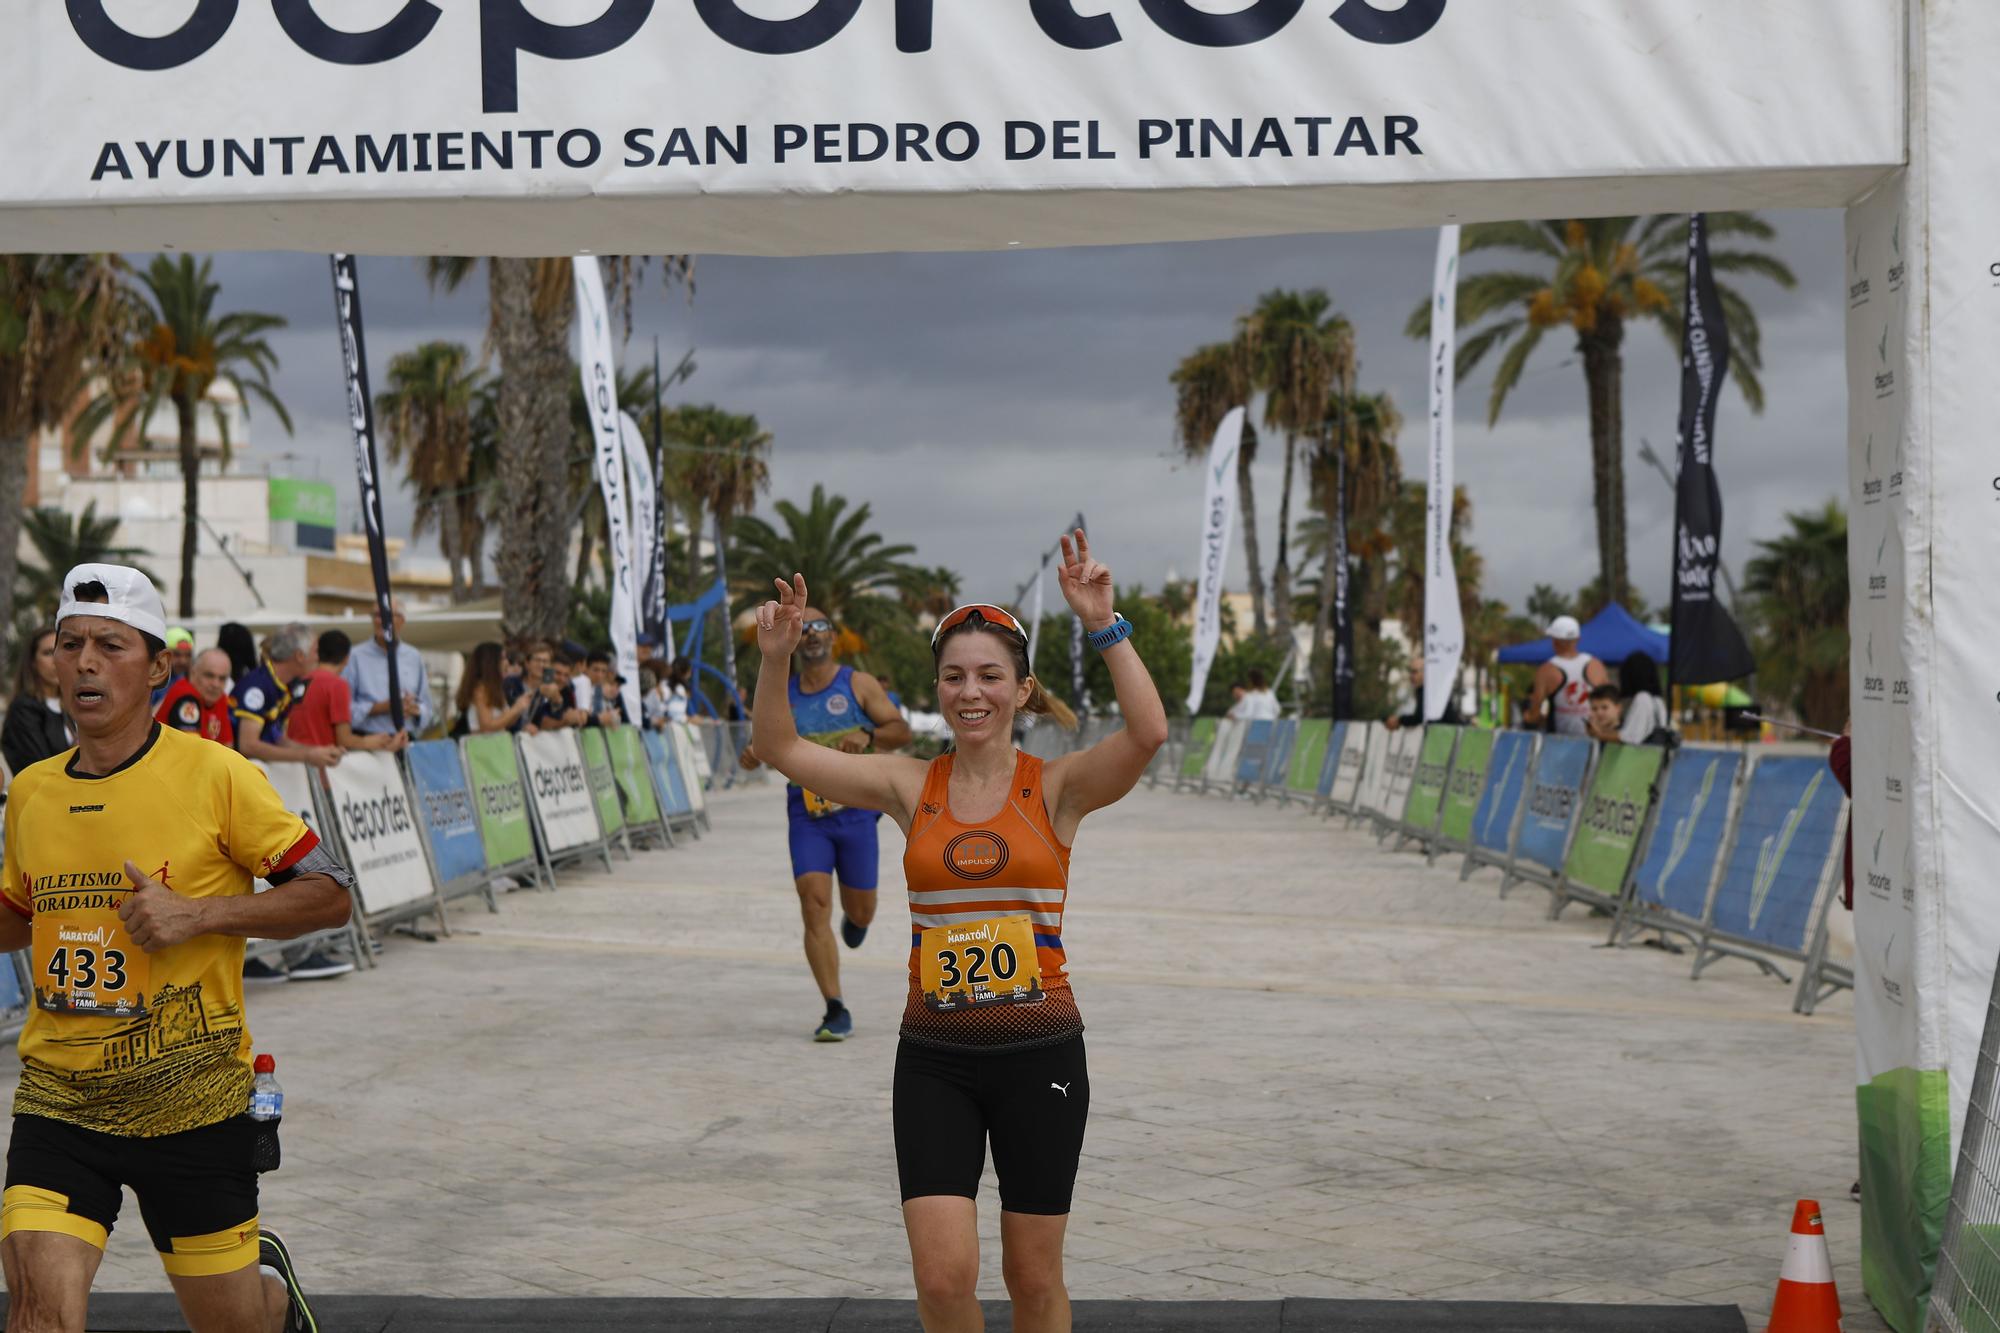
(474, 531)
(1329, 574)
(190, 500)
(728, 629)
(1604, 374)
(533, 455)
(452, 539)
(1281, 576)
(13, 503)
(1246, 499)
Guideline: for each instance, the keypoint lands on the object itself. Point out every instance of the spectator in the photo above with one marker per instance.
(262, 700)
(237, 641)
(602, 697)
(652, 697)
(324, 713)
(680, 689)
(36, 727)
(1451, 717)
(555, 702)
(200, 703)
(1648, 721)
(180, 658)
(483, 702)
(1258, 704)
(1603, 724)
(1565, 683)
(367, 674)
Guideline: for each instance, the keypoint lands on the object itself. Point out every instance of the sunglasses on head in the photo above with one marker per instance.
(820, 626)
(993, 616)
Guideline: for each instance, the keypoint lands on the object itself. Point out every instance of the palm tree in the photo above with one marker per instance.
(863, 582)
(427, 414)
(1209, 384)
(479, 496)
(187, 349)
(61, 317)
(1409, 522)
(531, 304)
(62, 543)
(1597, 276)
(720, 462)
(1299, 351)
(1797, 584)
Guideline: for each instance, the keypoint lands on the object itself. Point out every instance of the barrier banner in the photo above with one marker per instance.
(294, 785)
(1493, 821)
(1404, 745)
(693, 766)
(1427, 779)
(1560, 769)
(498, 799)
(603, 786)
(1218, 526)
(1614, 817)
(1466, 784)
(1308, 755)
(379, 831)
(628, 766)
(1331, 767)
(1372, 792)
(1201, 740)
(560, 790)
(1221, 770)
(1284, 735)
(444, 801)
(1789, 820)
(1444, 619)
(1255, 750)
(1687, 840)
(660, 754)
(1354, 749)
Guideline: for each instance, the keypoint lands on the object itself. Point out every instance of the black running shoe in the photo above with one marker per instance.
(320, 966)
(256, 969)
(852, 934)
(272, 1254)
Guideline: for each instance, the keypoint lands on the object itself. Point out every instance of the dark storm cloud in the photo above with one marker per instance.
(977, 401)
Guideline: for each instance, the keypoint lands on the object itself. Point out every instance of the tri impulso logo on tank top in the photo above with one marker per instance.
(979, 855)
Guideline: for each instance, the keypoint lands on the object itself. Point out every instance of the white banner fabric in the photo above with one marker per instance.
(780, 127)
(559, 787)
(378, 827)
(1218, 528)
(1373, 794)
(1444, 622)
(1347, 778)
(688, 753)
(294, 785)
(1222, 756)
(597, 363)
(649, 562)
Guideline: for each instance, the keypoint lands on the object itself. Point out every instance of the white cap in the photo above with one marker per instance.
(1564, 627)
(134, 599)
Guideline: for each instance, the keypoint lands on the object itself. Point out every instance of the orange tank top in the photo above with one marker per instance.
(1008, 866)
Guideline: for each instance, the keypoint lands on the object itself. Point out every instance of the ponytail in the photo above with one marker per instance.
(1043, 704)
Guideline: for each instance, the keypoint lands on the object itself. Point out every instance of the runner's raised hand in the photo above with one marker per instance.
(1086, 585)
(781, 623)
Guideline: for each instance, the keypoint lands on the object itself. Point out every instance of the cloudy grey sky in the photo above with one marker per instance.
(978, 401)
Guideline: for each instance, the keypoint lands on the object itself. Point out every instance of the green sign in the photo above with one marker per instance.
(1427, 785)
(500, 800)
(1201, 739)
(1468, 780)
(308, 502)
(603, 786)
(1308, 755)
(628, 764)
(1614, 815)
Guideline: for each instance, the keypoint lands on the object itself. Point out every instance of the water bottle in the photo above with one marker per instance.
(267, 1099)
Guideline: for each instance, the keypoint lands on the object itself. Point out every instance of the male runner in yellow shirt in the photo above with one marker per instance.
(129, 868)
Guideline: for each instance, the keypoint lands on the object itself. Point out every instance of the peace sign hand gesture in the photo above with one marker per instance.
(1086, 585)
(781, 623)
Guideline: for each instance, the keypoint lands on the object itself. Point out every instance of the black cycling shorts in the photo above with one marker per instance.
(1032, 1104)
(197, 1189)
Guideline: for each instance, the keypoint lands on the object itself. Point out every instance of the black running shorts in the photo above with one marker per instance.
(1031, 1103)
(197, 1189)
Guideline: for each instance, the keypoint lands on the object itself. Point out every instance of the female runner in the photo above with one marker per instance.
(992, 1043)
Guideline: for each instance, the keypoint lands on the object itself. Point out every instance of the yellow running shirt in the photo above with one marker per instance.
(118, 1040)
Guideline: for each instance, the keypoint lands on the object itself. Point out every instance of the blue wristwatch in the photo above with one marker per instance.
(1119, 630)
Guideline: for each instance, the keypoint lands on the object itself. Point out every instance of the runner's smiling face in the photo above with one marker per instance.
(107, 674)
(979, 686)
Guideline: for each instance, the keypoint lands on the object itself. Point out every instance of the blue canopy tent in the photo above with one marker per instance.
(1611, 636)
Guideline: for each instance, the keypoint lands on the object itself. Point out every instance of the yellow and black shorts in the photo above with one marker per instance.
(197, 1190)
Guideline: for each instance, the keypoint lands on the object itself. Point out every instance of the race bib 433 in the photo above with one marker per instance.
(85, 963)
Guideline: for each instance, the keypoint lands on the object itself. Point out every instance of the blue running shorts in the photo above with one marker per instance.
(842, 844)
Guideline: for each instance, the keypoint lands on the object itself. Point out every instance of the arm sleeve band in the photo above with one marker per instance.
(318, 861)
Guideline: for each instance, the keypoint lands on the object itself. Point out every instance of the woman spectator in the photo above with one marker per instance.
(483, 705)
(35, 728)
(1647, 718)
(680, 681)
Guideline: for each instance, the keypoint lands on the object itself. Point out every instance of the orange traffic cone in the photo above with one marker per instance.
(1807, 1302)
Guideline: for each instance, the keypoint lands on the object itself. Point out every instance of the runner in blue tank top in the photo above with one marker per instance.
(845, 709)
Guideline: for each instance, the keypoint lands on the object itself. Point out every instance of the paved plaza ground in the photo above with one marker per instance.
(1318, 1070)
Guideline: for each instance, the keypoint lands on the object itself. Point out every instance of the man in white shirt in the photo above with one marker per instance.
(1258, 704)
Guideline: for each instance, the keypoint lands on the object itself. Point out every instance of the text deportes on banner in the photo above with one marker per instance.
(598, 366)
(1444, 622)
(499, 800)
(371, 809)
(559, 789)
(446, 806)
(1218, 527)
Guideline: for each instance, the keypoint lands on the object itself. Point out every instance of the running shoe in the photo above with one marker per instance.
(277, 1261)
(838, 1025)
(319, 966)
(852, 934)
(256, 969)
